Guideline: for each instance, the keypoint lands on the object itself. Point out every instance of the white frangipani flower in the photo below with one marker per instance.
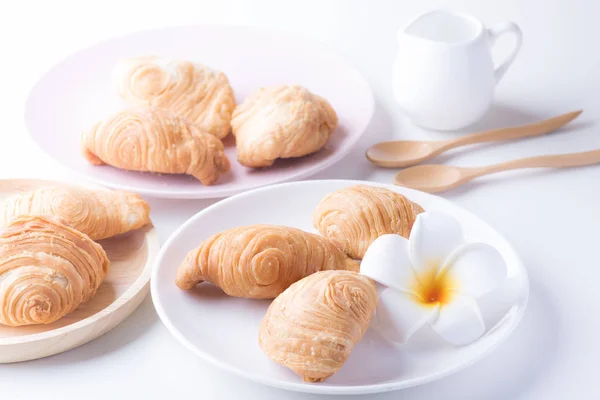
(434, 278)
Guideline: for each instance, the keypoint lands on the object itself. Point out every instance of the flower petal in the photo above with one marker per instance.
(399, 315)
(475, 269)
(433, 238)
(387, 262)
(460, 321)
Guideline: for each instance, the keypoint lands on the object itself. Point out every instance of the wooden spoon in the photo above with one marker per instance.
(404, 153)
(437, 178)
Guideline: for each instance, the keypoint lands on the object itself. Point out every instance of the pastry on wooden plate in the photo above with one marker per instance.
(97, 213)
(281, 122)
(313, 326)
(47, 270)
(354, 217)
(198, 93)
(259, 261)
(155, 140)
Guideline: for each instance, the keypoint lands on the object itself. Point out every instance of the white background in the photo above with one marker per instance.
(551, 217)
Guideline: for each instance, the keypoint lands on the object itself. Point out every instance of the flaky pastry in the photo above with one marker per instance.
(281, 122)
(354, 217)
(97, 213)
(47, 270)
(155, 140)
(313, 326)
(259, 261)
(193, 91)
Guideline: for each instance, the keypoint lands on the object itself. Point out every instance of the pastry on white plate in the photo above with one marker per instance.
(313, 326)
(352, 218)
(260, 261)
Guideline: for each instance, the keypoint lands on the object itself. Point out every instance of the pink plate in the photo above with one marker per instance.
(78, 91)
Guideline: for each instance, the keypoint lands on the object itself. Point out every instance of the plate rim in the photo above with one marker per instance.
(190, 194)
(136, 289)
(338, 389)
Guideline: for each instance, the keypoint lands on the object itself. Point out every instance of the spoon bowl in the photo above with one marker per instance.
(402, 153)
(430, 178)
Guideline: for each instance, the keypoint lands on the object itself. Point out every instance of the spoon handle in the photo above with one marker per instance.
(535, 129)
(552, 161)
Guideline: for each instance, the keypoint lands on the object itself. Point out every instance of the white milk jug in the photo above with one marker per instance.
(444, 77)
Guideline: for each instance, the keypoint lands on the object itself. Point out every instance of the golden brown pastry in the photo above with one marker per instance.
(354, 217)
(281, 122)
(47, 270)
(97, 213)
(149, 139)
(313, 326)
(193, 91)
(259, 261)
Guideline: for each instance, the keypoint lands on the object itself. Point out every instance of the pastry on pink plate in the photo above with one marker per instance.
(155, 140)
(281, 122)
(190, 90)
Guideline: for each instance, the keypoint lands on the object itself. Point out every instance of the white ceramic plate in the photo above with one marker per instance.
(78, 91)
(224, 330)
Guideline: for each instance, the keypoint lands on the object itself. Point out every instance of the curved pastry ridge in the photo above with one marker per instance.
(354, 217)
(259, 261)
(154, 140)
(47, 270)
(193, 91)
(313, 325)
(281, 122)
(97, 213)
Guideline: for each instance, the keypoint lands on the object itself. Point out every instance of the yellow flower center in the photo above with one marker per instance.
(434, 288)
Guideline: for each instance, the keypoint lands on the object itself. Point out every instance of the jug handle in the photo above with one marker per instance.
(494, 33)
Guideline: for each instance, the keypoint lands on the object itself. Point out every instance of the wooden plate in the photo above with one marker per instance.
(131, 255)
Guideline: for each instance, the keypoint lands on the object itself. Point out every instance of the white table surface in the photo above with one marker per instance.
(551, 217)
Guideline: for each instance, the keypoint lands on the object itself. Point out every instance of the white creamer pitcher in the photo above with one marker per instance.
(444, 76)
